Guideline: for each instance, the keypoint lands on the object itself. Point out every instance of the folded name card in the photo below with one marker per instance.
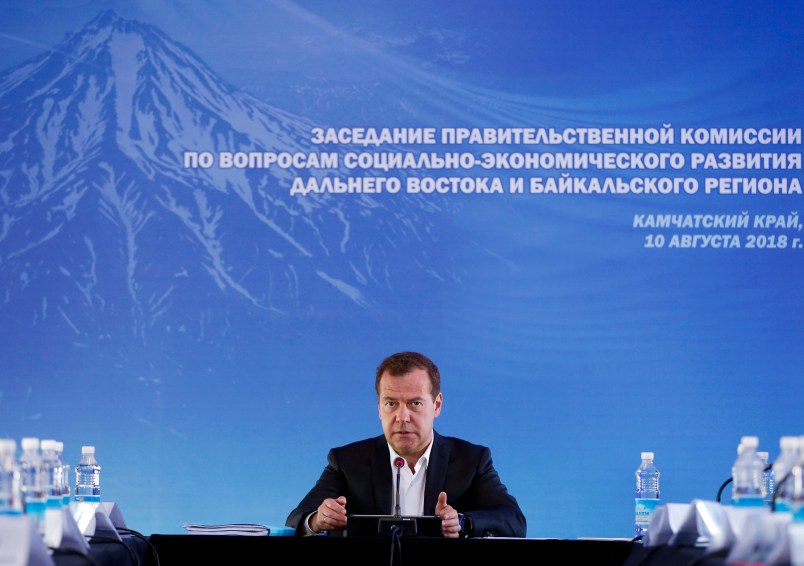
(104, 527)
(762, 538)
(714, 527)
(745, 535)
(665, 521)
(112, 509)
(795, 537)
(84, 515)
(94, 519)
(21, 544)
(62, 532)
(706, 524)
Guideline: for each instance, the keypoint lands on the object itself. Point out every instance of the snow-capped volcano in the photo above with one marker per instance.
(103, 224)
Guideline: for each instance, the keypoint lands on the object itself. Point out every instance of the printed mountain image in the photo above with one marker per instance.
(105, 233)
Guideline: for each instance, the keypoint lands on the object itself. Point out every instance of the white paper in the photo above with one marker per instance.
(244, 529)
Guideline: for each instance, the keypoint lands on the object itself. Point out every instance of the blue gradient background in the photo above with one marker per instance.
(564, 344)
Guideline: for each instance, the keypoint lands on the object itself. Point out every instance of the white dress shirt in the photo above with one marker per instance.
(411, 484)
(411, 487)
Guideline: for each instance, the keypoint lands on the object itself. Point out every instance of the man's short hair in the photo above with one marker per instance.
(404, 362)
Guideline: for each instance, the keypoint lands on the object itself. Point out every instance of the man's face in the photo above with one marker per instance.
(407, 411)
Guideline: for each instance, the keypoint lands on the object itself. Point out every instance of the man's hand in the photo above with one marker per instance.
(331, 515)
(450, 524)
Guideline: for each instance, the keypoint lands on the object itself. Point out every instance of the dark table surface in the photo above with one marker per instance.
(357, 551)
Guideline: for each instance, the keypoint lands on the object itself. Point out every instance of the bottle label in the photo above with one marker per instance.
(748, 501)
(782, 506)
(644, 509)
(10, 511)
(87, 498)
(36, 508)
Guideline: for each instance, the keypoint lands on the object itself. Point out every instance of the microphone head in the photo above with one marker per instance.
(399, 462)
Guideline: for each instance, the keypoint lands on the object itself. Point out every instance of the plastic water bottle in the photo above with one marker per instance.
(10, 486)
(797, 493)
(768, 478)
(33, 492)
(52, 474)
(748, 475)
(647, 493)
(788, 457)
(796, 485)
(87, 477)
(65, 475)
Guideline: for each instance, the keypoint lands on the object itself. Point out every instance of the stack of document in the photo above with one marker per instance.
(247, 529)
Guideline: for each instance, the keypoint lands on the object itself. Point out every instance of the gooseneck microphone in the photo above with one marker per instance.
(399, 463)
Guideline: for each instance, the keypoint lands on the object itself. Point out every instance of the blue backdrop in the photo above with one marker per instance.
(213, 330)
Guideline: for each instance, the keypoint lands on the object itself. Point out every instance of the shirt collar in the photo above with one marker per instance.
(422, 463)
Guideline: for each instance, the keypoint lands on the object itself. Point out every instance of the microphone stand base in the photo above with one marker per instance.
(397, 525)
